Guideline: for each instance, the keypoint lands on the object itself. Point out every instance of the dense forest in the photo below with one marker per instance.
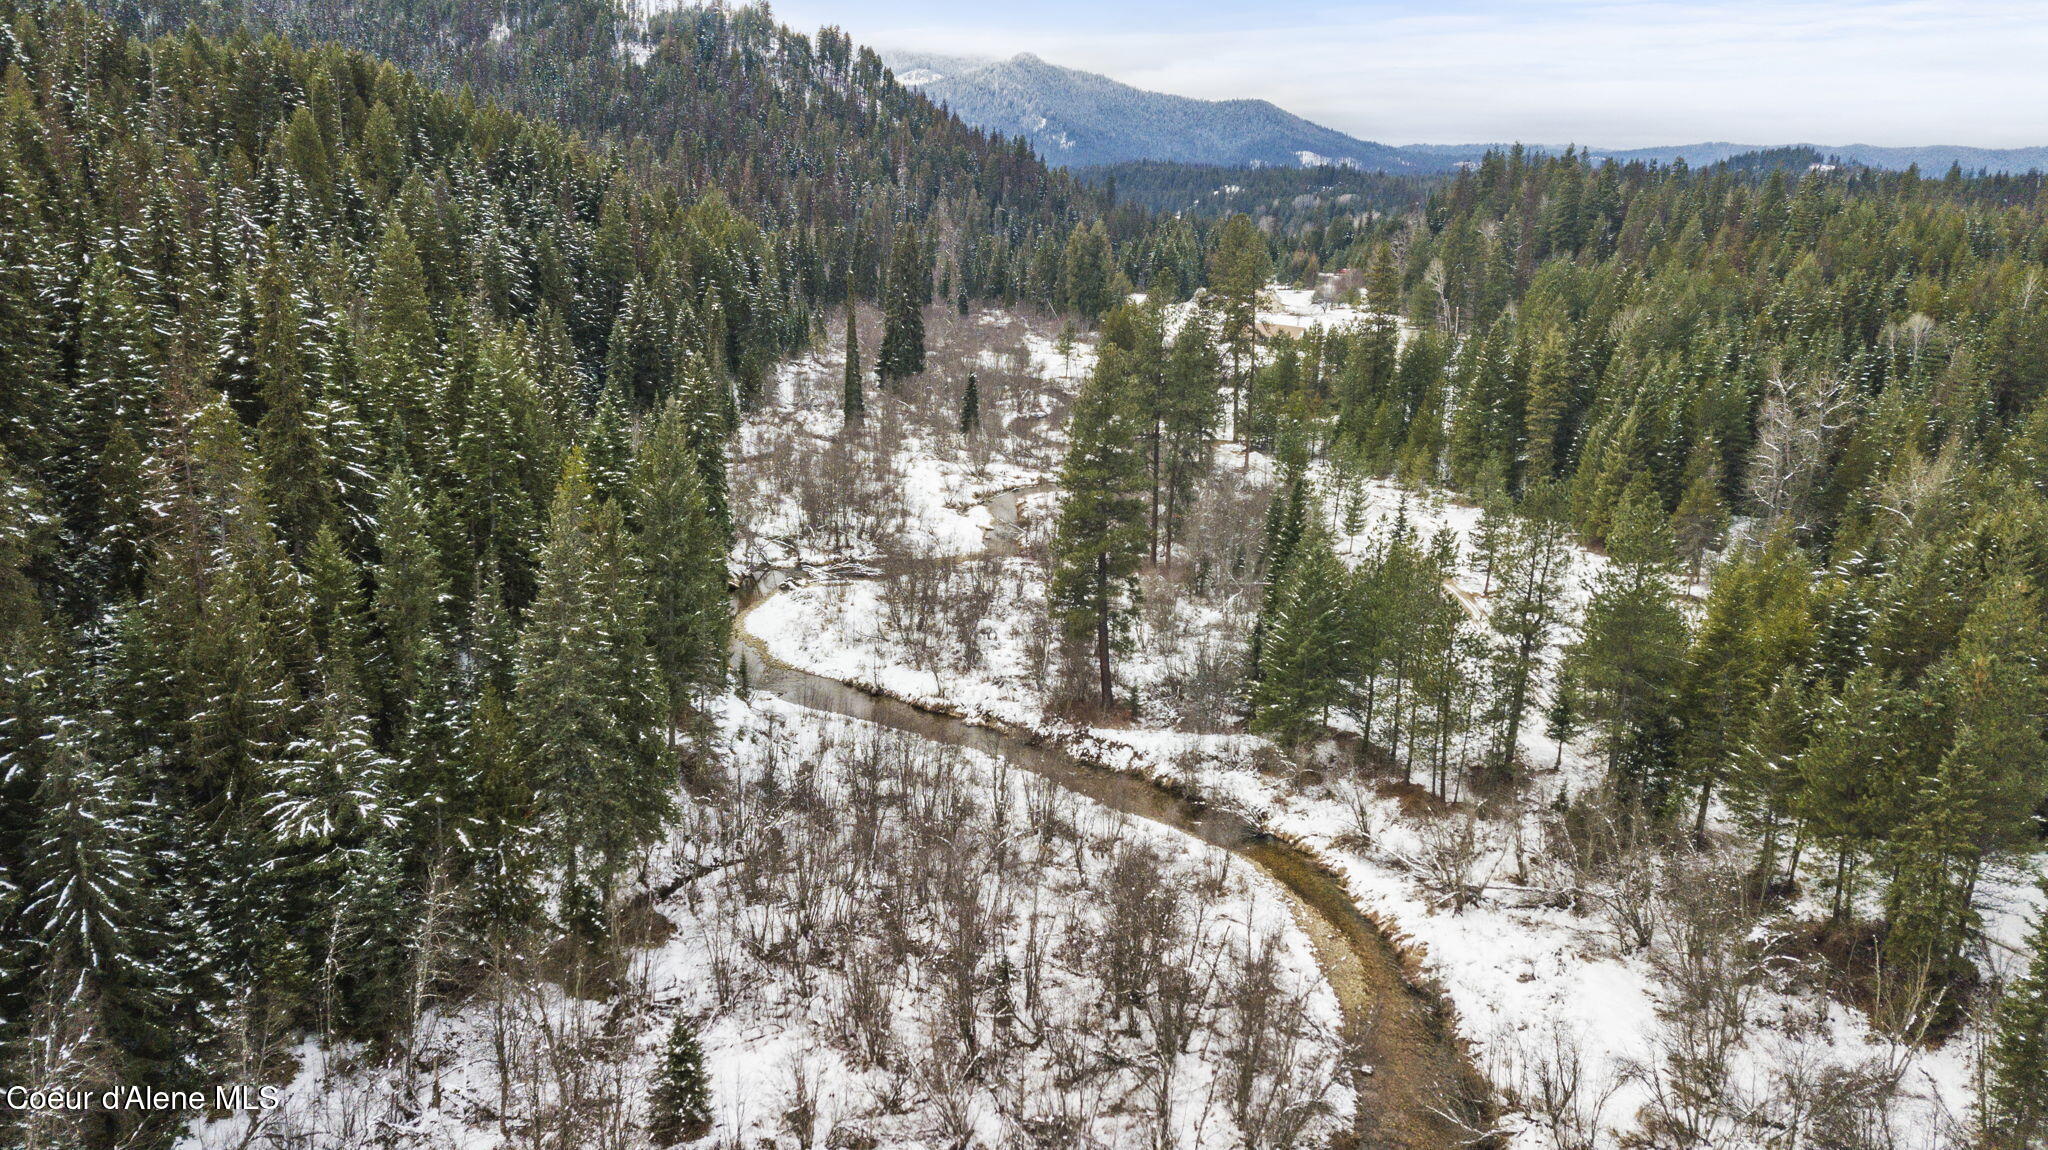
(1834, 382)
(809, 136)
(369, 385)
(363, 457)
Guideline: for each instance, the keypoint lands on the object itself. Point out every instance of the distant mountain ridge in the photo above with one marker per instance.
(1933, 159)
(1080, 119)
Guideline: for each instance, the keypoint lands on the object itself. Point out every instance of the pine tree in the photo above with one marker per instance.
(1702, 515)
(607, 443)
(1187, 420)
(1134, 334)
(341, 627)
(1756, 624)
(1084, 287)
(1306, 657)
(1869, 745)
(585, 715)
(902, 354)
(1238, 271)
(1549, 404)
(1287, 517)
(408, 606)
(26, 530)
(639, 354)
(711, 421)
(207, 658)
(102, 409)
(1383, 281)
(1765, 779)
(1631, 650)
(1524, 615)
(1927, 905)
(2014, 1110)
(970, 407)
(97, 1018)
(296, 470)
(1419, 383)
(853, 394)
(1100, 536)
(680, 547)
(402, 351)
(1996, 682)
(679, 1106)
(1562, 717)
(1493, 533)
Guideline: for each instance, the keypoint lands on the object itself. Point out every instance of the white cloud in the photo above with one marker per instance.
(1617, 73)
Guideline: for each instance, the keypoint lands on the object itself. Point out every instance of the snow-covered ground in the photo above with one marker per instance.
(885, 942)
(1545, 992)
(806, 491)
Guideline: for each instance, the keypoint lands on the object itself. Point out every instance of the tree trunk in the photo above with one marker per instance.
(1153, 533)
(1102, 630)
(1172, 481)
(1699, 823)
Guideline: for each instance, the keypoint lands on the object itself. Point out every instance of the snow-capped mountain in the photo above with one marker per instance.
(1080, 119)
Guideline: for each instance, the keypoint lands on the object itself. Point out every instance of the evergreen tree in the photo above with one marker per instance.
(1134, 335)
(1994, 681)
(408, 607)
(1100, 537)
(1383, 281)
(1927, 904)
(1631, 650)
(1702, 515)
(1238, 271)
(1305, 659)
(1562, 717)
(96, 1019)
(1084, 287)
(296, 470)
(1524, 615)
(970, 407)
(680, 1104)
(1756, 624)
(585, 717)
(503, 455)
(1187, 419)
(681, 550)
(341, 626)
(853, 394)
(2014, 1111)
(902, 354)
(402, 358)
(501, 840)
(1287, 517)
(1765, 775)
(1549, 403)
(1869, 744)
(102, 408)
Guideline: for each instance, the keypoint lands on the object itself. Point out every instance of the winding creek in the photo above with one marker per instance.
(1415, 1087)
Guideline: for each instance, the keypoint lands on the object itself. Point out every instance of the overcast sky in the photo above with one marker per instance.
(1613, 73)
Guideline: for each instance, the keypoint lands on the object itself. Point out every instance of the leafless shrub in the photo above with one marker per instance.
(1609, 859)
(1448, 861)
(1554, 1083)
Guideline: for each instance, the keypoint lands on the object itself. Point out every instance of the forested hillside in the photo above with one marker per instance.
(1801, 421)
(362, 453)
(809, 136)
(1638, 600)
(1849, 374)
(1634, 591)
